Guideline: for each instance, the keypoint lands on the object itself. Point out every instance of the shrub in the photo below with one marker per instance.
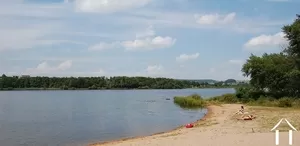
(246, 93)
(296, 103)
(226, 98)
(192, 101)
(196, 101)
(247, 100)
(230, 98)
(64, 87)
(242, 92)
(196, 96)
(285, 102)
(271, 101)
(94, 87)
(261, 101)
(10, 88)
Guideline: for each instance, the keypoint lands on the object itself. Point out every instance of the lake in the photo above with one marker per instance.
(63, 118)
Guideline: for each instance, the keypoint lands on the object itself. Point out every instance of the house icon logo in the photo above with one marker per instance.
(290, 131)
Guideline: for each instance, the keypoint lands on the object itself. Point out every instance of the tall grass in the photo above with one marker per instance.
(196, 101)
(192, 101)
(226, 98)
(261, 101)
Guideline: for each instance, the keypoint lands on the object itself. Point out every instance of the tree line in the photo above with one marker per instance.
(275, 75)
(121, 82)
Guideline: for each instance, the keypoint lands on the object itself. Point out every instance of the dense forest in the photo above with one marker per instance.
(122, 82)
(275, 75)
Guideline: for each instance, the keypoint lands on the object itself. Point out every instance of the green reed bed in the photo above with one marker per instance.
(191, 101)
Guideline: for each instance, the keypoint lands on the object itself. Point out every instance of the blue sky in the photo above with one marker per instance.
(190, 39)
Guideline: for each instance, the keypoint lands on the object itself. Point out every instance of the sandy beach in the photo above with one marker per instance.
(220, 127)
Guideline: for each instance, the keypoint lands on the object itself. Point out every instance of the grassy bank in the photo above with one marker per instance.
(192, 101)
(261, 101)
(195, 101)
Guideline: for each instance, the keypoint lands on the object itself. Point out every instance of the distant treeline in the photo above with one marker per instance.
(122, 82)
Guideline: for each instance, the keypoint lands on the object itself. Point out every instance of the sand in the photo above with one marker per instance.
(220, 127)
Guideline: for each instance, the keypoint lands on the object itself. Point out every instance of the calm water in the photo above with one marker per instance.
(60, 118)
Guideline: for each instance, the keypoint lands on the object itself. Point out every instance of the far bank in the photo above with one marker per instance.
(57, 89)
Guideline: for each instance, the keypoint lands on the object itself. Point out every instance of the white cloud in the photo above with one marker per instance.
(97, 73)
(89, 73)
(24, 37)
(179, 19)
(32, 26)
(25, 32)
(44, 67)
(149, 43)
(145, 40)
(154, 69)
(64, 65)
(149, 32)
(103, 46)
(266, 41)
(108, 6)
(215, 19)
(18, 8)
(186, 57)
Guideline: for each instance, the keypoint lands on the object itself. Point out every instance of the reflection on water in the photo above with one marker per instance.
(37, 118)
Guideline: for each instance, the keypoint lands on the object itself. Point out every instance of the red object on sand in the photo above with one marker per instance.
(189, 125)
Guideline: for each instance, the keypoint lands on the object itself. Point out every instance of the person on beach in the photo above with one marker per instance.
(241, 111)
(249, 117)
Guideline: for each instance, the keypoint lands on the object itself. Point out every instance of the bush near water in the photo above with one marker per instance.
(196, 101)
(192, 101)
(243, 98)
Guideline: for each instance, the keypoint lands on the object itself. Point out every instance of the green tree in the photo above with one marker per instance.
(292, 33)
(277, 74)
(120, 82)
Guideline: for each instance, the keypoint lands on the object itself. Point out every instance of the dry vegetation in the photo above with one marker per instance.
(270, 116)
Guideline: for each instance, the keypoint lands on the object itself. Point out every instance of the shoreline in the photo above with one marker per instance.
(221, 126)
(87, 89)
(207, 115)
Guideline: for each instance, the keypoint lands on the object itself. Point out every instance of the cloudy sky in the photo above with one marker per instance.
(190, 39)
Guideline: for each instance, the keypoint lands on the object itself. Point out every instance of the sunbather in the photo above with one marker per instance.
(249, 117)
(241, 111)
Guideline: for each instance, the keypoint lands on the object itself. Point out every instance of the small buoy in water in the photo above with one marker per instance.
(189, 125)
